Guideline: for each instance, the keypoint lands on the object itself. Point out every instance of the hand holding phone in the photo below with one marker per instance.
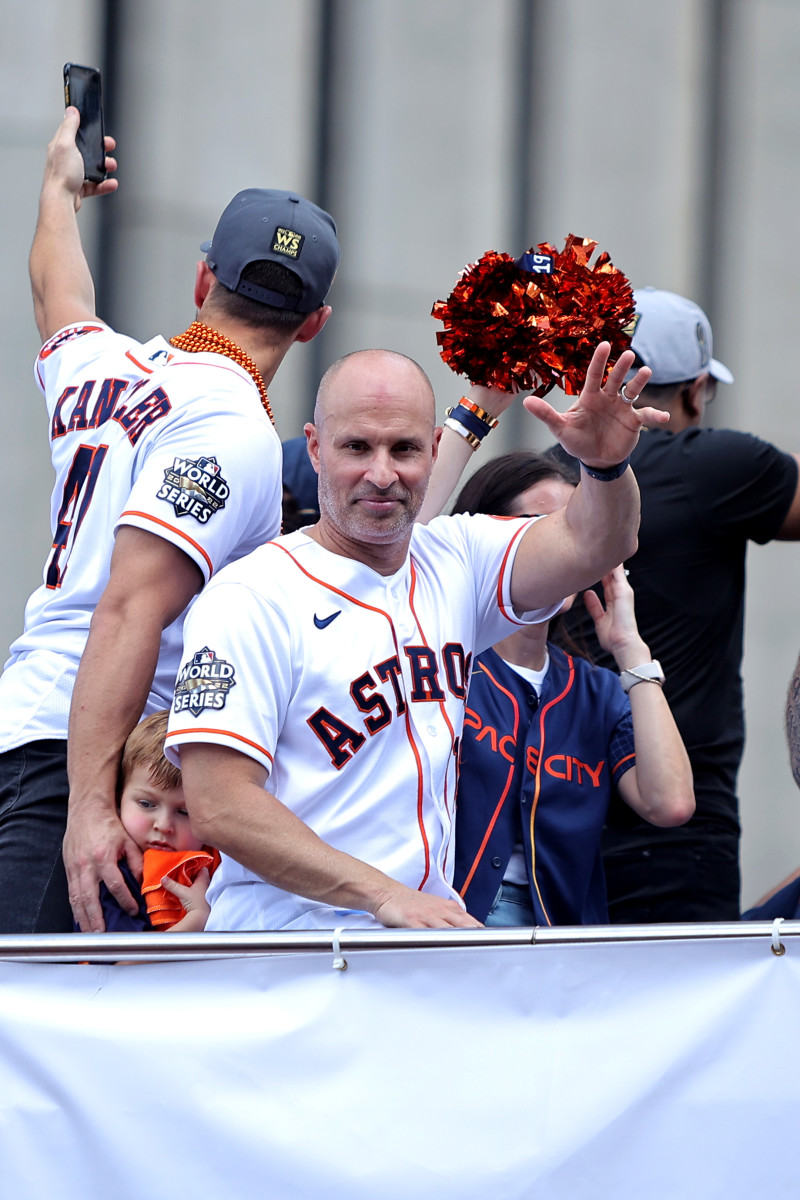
(83, 90)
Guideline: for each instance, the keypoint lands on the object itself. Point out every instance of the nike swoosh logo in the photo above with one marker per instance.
(324, 622)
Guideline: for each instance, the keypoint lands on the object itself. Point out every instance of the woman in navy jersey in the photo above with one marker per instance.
(549, 737)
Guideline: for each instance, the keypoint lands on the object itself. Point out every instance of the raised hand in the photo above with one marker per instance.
(615, 625)
(602, 427)
(64, 164)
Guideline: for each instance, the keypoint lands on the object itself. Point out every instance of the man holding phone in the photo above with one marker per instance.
(167, 467)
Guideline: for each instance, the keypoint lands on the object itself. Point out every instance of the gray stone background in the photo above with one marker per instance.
(435, 130)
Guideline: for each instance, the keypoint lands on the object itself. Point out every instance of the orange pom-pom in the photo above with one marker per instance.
(534, 322)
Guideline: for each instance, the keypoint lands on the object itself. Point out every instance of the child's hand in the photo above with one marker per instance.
(193, 900)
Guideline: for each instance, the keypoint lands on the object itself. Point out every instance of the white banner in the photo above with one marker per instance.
(635, 1071)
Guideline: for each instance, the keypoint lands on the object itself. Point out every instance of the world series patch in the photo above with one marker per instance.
(194, 487)
(203, 683)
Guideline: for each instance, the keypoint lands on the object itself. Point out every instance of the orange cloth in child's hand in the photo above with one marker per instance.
(164, 909)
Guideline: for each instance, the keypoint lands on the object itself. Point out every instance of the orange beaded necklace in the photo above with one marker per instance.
(199, 337)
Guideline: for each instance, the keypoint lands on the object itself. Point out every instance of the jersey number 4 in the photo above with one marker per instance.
(78, 491)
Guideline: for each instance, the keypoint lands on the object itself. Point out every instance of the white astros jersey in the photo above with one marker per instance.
(349, 687)
(174, 443)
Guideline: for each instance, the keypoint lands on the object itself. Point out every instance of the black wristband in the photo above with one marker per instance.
(606, 474)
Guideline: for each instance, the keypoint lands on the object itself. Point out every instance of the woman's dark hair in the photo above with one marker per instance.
(493, 489)
(495, 486)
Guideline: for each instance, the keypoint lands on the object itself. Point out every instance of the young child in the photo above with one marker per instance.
(177, 866)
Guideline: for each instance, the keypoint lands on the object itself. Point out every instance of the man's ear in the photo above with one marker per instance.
(312, 440)
(313, 323)
(693, 398)
(437, 437)
(203, 279)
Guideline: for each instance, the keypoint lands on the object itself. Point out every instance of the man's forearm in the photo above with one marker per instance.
(252, 826)
(571, 549)
(61, 281)
(603, 518)
(110, 692)
(230, 809)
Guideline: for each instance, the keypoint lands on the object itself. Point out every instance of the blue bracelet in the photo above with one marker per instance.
(470, 421)
(606, 474)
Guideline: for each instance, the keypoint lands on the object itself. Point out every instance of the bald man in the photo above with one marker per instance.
(333, 663)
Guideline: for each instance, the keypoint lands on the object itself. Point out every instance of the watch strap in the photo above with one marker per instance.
(646, 673)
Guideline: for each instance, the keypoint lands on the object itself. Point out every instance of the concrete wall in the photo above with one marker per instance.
(435, 130)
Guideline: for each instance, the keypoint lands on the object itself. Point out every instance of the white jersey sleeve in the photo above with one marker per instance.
(487, 546)
(240, 654)
(209, 475)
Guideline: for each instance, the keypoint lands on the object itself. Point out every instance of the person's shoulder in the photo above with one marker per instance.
(463, 526)
(263, 568)
(717, 443)
(703, 451)
(72, 333)
(210, 384)
(599, 681)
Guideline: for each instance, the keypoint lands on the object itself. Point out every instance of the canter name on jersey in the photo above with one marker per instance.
(87, 406)
(430, 675)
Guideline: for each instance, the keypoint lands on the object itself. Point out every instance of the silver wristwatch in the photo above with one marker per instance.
(647, 673)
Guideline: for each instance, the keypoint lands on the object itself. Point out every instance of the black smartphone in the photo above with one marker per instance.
(83, 89)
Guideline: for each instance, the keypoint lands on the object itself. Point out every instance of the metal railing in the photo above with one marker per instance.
(147, 947)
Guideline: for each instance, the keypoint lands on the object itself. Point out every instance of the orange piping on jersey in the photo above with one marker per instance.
(136, 363)
(504, 795)
(331, 588)
(538, 784)
(508, 613)
(381, 612)
(443, 710)
(627, 758)
(223, 733)
(130, 512)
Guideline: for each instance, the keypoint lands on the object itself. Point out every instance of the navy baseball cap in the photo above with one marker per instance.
(281, 227)
(673, 338)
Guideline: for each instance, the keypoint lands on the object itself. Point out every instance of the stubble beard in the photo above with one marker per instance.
(370, 528)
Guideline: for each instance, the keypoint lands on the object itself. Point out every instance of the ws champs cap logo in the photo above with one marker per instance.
(203, 683)
(194, 488)
(287, 242)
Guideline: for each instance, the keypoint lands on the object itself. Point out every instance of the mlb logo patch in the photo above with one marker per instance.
(287, 242)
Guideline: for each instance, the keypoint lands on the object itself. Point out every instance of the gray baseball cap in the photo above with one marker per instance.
(281, 227)
(673, 338)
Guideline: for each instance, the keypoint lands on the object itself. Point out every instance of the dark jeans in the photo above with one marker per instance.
(697, 880)
(33, 816)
